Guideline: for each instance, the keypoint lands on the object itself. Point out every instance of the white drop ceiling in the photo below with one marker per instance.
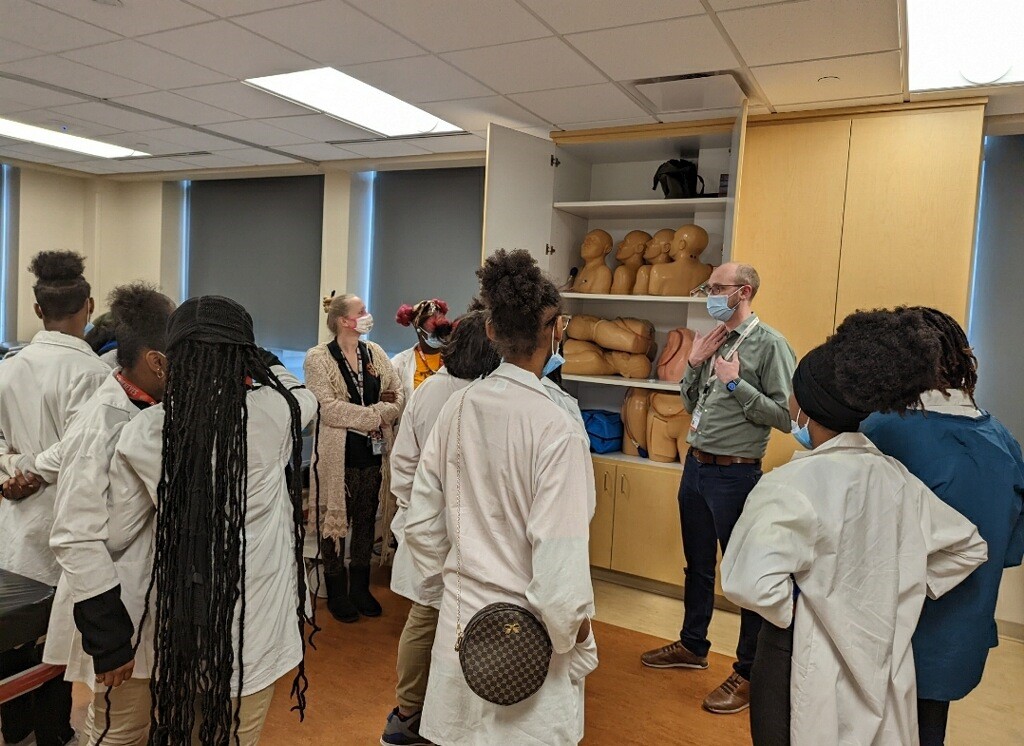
(164, 76)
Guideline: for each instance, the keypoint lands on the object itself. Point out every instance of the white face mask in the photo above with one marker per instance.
(364, 324)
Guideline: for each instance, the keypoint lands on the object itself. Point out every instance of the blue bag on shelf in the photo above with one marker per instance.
(604, 429)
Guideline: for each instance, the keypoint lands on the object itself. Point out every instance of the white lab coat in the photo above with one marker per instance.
(527, 499)
(272, 638)
(865, 541)
(404, 364)
(566, 401)
(110, 358)
(95, 549)
(41, 390)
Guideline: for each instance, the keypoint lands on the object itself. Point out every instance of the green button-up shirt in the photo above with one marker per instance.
(738, 423)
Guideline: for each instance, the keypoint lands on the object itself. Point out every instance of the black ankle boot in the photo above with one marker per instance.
(338, 601)
(360, 592)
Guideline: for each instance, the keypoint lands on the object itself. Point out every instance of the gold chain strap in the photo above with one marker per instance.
(458, 524)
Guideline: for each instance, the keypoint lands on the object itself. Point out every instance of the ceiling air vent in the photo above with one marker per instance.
(700, 92)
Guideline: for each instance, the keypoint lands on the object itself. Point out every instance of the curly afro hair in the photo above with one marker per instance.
(140, 314)
(517, 294)
(958, 365)
(61, 289)
(885, 360)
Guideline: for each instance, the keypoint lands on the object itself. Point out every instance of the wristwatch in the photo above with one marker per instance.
(731, 386)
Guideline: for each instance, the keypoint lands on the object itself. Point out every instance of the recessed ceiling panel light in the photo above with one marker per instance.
(341, 96)
(63, 141)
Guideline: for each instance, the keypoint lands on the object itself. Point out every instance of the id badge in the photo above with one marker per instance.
(378, 444)
(695, 418)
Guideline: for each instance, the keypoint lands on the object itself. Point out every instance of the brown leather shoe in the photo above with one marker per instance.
(673, 655)
(731, 697)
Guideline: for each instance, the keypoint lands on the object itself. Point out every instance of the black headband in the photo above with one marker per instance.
(817, 393)
(212, 319)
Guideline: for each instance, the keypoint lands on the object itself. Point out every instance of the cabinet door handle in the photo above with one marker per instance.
(623, 484)
(606, 481)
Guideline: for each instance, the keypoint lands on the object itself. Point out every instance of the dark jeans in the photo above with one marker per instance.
(931, 721)
(362, 487)
(45, 711)
(769, 686)
(711, 499)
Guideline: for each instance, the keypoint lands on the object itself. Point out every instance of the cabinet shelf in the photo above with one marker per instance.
(643, 208)
(622, 458)
(637, 383)
(638, 298)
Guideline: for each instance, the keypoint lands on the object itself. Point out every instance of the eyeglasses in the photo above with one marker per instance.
(708, 289)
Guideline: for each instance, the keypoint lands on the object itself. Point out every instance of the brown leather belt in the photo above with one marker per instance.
(711, 459)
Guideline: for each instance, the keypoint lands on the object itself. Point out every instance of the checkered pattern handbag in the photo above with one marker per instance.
(504, 652)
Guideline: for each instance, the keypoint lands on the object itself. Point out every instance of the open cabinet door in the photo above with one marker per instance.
(518, 191)
(739, 131)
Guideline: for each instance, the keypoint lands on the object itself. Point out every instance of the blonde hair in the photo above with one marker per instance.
(337, 307)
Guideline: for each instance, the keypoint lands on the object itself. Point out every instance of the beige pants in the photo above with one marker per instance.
(252, 713)
(129, 716)
(414, 656)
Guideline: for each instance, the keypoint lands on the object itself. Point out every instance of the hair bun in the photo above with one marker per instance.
(405, 315)
(327, 303)
(57, 267)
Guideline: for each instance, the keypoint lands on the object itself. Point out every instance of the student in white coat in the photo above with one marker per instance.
(418, 363)
(101, 594)
(838, 549)
(468, 356)
(520, 520)
(41, 389)
(214, 459)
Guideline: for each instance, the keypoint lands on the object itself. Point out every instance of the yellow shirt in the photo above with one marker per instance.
(426, 366)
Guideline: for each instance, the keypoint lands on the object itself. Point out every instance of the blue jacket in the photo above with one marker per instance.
(975, 466)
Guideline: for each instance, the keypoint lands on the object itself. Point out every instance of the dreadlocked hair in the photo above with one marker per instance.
(61, 288)
(516, 294)
(470, 354)
(957, 364)
(199, 564)
(884, 360)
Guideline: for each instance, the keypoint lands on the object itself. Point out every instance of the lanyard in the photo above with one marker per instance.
(133, 391)
(357, 376)
(426, 364)
(709, 384)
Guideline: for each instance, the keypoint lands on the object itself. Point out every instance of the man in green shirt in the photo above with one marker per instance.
(736, 389)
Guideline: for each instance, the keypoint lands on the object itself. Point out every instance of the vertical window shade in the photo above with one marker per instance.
(427, 230)
(258, 242)
(997, 303)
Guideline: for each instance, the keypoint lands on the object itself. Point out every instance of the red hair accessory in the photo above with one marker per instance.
(405, 315)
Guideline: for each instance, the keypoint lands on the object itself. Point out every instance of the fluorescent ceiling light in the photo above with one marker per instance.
(341, 96)
(63, 141)
(957, 44)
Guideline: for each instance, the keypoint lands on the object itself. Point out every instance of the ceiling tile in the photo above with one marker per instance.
(214, 160)
(813, 30)
(226, 48)
(32, 96)
(52, 120)
(256, 157)
(527, 66)
(858, 77)
(392, 149)
(11, 51)
(320, 127)
(585, 104)
(259, 133)
(607, 123)
(133, 17)
(119, 119)
(48, 30)
(145, 64)
(161, 164)
(331, 32)
(228, 8)
(75, 77)
(447, 25)
(27, 151)
(474, 114)
(844, 102)
(320, 152)
(98, 167)
(568, 16)
(178, 108)
(720, 5)
(147, 142)
(419, 79)
(188, 139)
(7, 106)
(243, 100)
(452, 143)
(651, 50)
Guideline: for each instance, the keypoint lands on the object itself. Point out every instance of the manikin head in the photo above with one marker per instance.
(632, 246)
(659, 246)
(63, 296)
(596, 244)
(688, 242)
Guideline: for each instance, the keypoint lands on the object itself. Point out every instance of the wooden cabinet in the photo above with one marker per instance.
(647, 540)
(601, 527)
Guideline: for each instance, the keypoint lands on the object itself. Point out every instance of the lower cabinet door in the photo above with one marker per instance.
(647, 539)
(604, 516)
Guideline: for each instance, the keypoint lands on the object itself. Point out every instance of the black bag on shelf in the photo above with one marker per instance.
(678, 179)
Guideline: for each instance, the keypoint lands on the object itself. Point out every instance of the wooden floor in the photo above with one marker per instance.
(352, 683)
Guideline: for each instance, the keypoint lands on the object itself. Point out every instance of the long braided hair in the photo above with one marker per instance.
(199, 565)
(958, 365)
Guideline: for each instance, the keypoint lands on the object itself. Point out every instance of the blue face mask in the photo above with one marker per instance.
(718, 307)
(431, 340)
(802, 434)
(556, 360)
(89, 327)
